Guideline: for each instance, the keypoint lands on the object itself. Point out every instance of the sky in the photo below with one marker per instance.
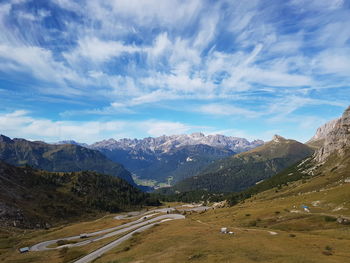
(98, 69)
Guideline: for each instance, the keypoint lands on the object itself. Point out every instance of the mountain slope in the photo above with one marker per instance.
(58, 158)
(300, 215)
(171, 157)
(327, 168)
(174, 165)
(243, 170)
(36, 198)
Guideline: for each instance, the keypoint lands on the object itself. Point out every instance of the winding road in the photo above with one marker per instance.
(145, 221)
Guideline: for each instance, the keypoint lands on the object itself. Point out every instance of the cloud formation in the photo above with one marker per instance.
(276, 60)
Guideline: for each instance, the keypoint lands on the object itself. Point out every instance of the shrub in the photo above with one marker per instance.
(63, 251)
(196, 256)
(329, 248)
(252, 223)
(330, 219)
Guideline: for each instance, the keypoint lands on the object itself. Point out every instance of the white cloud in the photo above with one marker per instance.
(280, 111)
(227, 110)
(318, 4)
(336, 61)
(276, 78)
(149, 52)
(68, 4)
(37, 61)
(97, 50)
(156, 128)
(166, 12)
(20, 123)
(26, 16)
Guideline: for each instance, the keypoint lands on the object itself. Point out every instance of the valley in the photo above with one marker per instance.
(172, 131)
(269, 227)
(299, 212)
(166, 160)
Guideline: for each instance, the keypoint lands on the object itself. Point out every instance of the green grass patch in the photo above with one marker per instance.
(24, 260)
(7, 242)
(71, 254)
(330, 219)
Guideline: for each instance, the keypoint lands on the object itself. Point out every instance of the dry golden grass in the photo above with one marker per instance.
(13, 239)
(188, 240)
(301, 237)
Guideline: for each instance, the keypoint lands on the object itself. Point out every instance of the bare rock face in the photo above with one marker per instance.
(323, 131)
(277, 138)
(338, 138)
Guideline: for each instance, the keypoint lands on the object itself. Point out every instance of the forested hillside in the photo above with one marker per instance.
(241, 171)
(58, 158)
(36, 198)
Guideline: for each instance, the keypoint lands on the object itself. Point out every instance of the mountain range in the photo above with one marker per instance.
(240, 171)
(172, 158)
(34, 198)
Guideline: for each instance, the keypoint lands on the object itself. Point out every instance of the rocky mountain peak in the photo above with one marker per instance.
(346, 116)
(278, 138)
(72, 142)
(337, 139)
(4, 138)
(197, 135)
(167, 143)
(323, 131)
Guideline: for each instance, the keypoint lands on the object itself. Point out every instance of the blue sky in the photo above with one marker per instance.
(96, 69)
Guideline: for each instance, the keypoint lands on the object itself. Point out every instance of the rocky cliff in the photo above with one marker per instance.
(337, 139)
(323, 131)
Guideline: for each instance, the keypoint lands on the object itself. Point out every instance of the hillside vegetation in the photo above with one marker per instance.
(168, 159)
(168, 167)
(36, 198)
(58, 158)
(241, 171)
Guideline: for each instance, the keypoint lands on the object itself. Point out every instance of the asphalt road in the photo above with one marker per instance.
(97, 253)
(109, 232)
(146, 220)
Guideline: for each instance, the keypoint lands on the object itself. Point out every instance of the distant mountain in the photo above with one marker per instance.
(58, 158)
(245, 169)
(72, 142)
(165, 144)
(36, 198)
(172, 157)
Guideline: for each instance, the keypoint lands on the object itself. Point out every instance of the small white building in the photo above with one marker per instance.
(224, 230)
